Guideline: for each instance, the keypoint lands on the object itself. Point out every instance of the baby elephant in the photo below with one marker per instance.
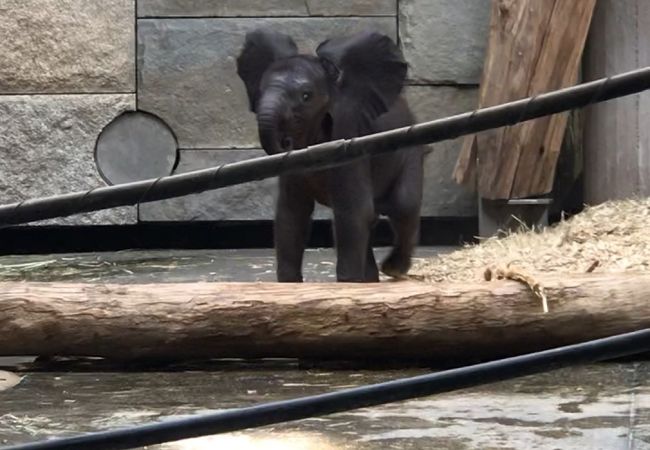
(352, 87)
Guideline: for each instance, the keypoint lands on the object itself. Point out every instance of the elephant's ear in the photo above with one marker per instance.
(369, 71)
(261, 48)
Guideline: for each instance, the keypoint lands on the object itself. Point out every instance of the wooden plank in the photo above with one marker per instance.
(617, 133)
(393, 320)
(643, 146)
(557, 67)
(507, 19)
(534, 47)
(497, 162)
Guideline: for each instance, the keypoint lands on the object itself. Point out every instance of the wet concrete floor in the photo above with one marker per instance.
(603, 406)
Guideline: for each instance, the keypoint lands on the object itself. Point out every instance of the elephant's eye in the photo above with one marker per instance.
(306, 96)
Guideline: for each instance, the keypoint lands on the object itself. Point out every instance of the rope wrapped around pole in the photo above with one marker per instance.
(328, 154)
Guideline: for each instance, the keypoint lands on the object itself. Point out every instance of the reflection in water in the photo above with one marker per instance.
(8, 380)
(266, 441)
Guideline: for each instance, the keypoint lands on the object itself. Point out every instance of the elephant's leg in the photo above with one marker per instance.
(406, 229)
(372, 272)
(291, 228)
(404, 215)
(350, 189)
(352, 247)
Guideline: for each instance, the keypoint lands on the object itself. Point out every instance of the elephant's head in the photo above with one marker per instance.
(303, 99)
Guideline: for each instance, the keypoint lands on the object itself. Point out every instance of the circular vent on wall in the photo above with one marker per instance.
(134, 146)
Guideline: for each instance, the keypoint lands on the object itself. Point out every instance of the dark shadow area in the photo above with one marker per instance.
(435, 231)
(82, 364)
(204, 235)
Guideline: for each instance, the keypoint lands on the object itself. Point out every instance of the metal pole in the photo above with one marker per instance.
(328, 154)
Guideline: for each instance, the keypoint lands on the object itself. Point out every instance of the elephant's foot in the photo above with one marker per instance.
(372, 275)
(289, 277)
(344, 279)
(396, 265)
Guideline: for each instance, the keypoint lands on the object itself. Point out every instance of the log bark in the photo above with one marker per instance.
(534, 47)
(387, 321)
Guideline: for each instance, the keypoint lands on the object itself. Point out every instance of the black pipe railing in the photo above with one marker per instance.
(328, 154)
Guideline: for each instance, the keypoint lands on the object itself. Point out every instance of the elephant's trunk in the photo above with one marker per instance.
(272, 123)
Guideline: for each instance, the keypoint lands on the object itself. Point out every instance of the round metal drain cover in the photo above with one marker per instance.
(135, 146)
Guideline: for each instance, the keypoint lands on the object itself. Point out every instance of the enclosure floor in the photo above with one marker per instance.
(171, 266)
(604, 406)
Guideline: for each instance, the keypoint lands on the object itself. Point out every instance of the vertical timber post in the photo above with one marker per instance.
(513, 168)
(617, 132)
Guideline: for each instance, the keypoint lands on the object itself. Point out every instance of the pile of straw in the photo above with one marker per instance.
(611, 237)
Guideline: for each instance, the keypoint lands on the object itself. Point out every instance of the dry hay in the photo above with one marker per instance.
(611, 237)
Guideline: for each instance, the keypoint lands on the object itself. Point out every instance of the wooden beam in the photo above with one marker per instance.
(387, 321)
(617, 132)
(534, 47)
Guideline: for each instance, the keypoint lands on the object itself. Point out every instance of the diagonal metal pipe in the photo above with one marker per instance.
(328, 154)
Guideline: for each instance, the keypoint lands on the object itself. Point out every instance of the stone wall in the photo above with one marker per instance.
(67, 69)
(72, 66)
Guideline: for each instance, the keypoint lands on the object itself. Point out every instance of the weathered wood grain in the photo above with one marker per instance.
(387, 321)
(534, 47)
(617, 133)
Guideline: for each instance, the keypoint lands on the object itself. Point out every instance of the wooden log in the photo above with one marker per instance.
(534, 47)
(387, 321)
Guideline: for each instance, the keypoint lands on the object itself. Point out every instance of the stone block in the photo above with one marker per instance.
(352, 7)
(47, 144)
(187, 73)
(442, 196)
(265, 8)
(444, 41)
(223, 8)
(67, 46)
(249, 201)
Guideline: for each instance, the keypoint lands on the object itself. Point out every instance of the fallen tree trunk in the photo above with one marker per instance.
(388, 321)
